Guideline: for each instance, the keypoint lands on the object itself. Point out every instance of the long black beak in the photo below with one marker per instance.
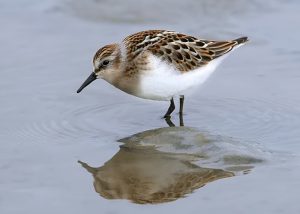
(90, 79)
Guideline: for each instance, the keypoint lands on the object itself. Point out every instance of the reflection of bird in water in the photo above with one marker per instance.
(148, 176)
(159, 165)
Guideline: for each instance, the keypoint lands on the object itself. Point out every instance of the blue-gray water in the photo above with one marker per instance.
(239, 151)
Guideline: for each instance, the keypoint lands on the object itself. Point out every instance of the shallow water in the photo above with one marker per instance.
(239, 148)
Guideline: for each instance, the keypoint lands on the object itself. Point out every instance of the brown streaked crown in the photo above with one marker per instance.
(105, 51)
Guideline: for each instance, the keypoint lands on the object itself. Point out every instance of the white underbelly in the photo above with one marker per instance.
(164, 82)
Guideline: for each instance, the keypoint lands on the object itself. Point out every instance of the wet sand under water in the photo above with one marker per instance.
(107, 152)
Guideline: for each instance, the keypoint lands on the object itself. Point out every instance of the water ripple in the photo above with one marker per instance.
(254, 119)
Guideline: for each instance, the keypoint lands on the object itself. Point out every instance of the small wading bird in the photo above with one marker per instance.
(159, 64)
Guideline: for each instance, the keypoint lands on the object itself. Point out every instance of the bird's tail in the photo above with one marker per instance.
(219, 48)
(241, 40)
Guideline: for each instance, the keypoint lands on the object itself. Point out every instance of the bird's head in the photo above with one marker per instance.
(106, 63)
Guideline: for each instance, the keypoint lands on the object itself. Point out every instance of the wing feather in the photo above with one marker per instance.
(184, 52)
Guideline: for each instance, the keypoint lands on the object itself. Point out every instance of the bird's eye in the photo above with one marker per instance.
(105, 62)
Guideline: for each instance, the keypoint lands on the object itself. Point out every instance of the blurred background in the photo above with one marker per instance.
(244, 120)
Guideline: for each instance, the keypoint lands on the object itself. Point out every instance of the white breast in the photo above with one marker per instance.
(163, 81)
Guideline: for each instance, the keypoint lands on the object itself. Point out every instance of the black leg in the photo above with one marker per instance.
(181, 123)
(181, 104)
(170, 109)
(169, 122)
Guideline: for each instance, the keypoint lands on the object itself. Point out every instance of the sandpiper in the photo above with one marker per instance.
(159, 64)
